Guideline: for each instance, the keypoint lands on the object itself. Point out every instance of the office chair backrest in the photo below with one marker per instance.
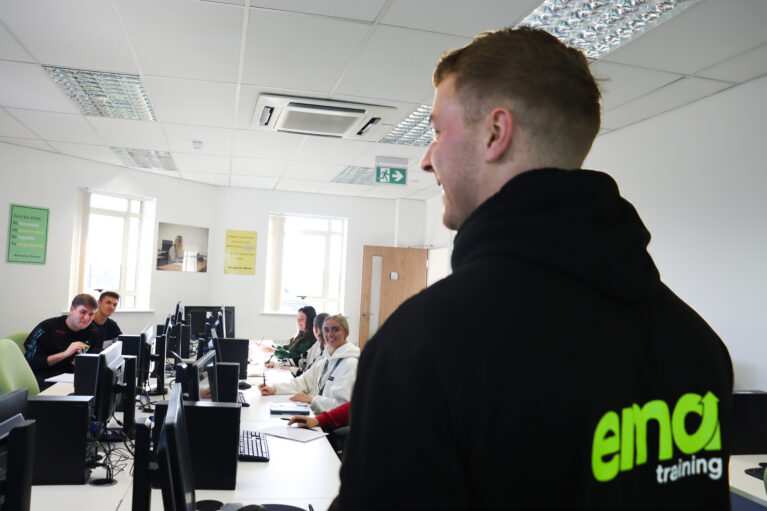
(19, 339)
(15, 372)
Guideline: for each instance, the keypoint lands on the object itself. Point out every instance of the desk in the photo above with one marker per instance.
(313, 463)
(743, 485)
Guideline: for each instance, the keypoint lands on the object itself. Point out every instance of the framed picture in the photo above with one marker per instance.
(27, 234)
(182, 248)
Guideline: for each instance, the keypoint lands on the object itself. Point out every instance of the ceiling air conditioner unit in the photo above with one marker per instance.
(321, 117)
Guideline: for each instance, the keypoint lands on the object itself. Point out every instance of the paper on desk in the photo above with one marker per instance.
(293, 433)
(62, 378)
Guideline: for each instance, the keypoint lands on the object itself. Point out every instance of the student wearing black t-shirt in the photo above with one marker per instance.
(107, 327)
(52, 345)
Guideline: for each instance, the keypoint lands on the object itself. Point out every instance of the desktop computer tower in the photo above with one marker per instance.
(214, 438)
(63, 440)
(127, 402)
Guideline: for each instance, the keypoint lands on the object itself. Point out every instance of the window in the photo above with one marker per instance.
(115, 249)
(305, 263)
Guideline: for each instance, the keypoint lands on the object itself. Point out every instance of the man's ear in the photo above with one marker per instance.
(498, 126)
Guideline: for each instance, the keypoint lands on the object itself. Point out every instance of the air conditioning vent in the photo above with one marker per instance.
(321, 117)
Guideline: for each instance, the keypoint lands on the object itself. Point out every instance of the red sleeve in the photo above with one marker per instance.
(335, 418)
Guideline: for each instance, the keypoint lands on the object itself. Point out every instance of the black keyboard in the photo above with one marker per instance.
(757, 472)
(241, 399)
(253, 446)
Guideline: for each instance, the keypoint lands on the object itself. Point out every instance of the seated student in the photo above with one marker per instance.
(107, 327)
(325, 385)
(318, 350)
(291, 353)
(52, 345)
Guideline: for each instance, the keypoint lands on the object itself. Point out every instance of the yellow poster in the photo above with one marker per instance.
(240, 256)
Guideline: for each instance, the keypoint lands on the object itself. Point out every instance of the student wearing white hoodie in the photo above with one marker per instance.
(326, 384)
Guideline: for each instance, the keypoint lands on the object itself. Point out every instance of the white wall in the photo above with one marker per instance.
(34, 292)
(698, 177)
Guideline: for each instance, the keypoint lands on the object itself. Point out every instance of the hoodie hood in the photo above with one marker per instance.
(571, 221)
(348, 350)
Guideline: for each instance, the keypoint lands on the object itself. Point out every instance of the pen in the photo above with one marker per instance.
(301, 421)
(263, 375)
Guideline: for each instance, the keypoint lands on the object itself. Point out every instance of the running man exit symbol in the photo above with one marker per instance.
(391, 175)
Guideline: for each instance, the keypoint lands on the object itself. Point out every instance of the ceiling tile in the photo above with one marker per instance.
(211, 179)
(325, 150)
(27, 86)
(741, 68)
(65, 33)
(700, 36)
(425, 194)
(662, 100)
(620, 83)
(57, 126)
(183, 39)
(11, 127)
(458, 17)
(299, 185)
(10, 49)
(89, 152)
(260, 144)
(130, 134)
(344, 189)
(214, 140)
(191, 102)
(258, 167)
(326, 47)
(312, 171)
(266, 183)
(350, 9)
(411, 153)
(34, 144)
(397, 64)
(206, 163)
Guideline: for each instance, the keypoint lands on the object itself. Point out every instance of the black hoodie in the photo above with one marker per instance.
(551, 369)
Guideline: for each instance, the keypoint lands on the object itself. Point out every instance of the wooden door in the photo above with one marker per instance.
(390, 275)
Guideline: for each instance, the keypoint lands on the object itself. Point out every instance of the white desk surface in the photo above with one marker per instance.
(312, 463)
(747, 486)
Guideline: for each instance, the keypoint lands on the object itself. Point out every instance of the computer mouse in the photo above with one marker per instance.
(243, 385)
(208, 505)
(252, 507)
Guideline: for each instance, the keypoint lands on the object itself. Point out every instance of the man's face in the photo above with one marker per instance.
(80, 317)
(107, 305)
(454, 155)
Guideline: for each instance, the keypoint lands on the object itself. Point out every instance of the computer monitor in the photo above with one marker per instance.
(190, 375)
(197, 315)
(102, 376)
(229, 321)
(16, 451)
(178, 314)
(141, 347)
(234, 350)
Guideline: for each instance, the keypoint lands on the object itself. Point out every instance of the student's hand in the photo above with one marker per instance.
(75, 348)
(285, 367)
(269, 364)
(205, 393)
(304, 421)
(304, 398)
(267, 390)
(266, 349)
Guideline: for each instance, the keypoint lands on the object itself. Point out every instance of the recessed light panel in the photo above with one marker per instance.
(99, 94)
(415, 130)
(597, 27)
(356, 176)
(145, 159)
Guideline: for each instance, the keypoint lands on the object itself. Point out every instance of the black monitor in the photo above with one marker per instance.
(101, 376)
(16, 451)
(178, 314)
(197, 315)
(141, 347)
(234, 350)
(190, 375)
(229, 321)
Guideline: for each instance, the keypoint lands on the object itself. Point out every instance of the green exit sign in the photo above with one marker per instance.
(393, 175)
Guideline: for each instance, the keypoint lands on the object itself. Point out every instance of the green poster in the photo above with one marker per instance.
(27, 234)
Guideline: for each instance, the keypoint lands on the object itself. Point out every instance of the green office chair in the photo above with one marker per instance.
(15, 372)
(19, 339)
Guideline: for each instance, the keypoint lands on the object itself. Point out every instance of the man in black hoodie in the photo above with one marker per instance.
(612, 394)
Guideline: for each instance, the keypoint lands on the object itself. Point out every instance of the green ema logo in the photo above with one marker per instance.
(620, 441)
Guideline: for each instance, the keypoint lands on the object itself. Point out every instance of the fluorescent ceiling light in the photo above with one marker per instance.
(145, 158)
(597, 27)
(356, 176)
(414, 130)
(99, 94)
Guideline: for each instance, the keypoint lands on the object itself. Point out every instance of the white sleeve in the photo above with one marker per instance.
(306, 383)
(338, 391)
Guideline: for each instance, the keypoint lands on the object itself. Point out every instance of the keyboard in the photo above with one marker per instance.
(241, 399)
(253, 446)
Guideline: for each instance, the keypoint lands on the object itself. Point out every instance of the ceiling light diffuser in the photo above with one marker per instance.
(145, 158)
(119, 96)
(597, 27)
(415, 130)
